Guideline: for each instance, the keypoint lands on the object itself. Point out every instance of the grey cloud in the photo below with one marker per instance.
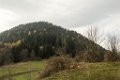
(68, 13)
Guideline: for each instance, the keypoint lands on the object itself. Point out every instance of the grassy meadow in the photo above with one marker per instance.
(23, 70)
(85, 71)
(90, 71)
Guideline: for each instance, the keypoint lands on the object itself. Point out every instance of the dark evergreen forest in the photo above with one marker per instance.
(40, 40)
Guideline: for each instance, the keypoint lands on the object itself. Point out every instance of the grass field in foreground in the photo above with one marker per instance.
(22, 71)
(90, 71)
(86, 71)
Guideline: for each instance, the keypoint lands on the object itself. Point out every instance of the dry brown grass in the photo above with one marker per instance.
(56, 64)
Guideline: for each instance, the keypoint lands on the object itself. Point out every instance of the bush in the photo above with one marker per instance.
(87, 56)
(54, 65)
(90, 56)
(110, 56)
(79, 57)
(6, 56)
(24, 55)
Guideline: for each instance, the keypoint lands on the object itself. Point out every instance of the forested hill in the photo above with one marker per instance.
(43, 33)
(39, 29)
(43, 39)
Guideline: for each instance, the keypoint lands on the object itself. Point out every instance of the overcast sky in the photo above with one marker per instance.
(72, 14)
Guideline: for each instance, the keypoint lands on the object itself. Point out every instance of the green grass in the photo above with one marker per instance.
(23, 70)
(90, 71)
(87, 71)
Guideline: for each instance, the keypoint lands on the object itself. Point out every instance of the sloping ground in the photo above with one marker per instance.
(90, 71)
(85, 71)
(22, 71)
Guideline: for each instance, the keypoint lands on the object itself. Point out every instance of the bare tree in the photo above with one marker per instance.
(32, 55)
(95, 37)
(94, 52)
(113, 43)
(8, 59)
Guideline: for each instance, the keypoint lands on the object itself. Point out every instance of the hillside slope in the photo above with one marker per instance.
(86, 71)
(42, 40)
(90, 71)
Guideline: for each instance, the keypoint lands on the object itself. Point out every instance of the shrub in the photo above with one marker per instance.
(79, 57)
(24, 55)
(56, 64)
(110, 56)
(90, 56)
(87, 56)
(6, 56)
